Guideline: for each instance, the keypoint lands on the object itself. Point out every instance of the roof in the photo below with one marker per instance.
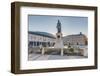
(42, 34)
(75, 35)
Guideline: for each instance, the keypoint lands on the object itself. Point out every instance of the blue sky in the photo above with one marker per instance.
(70, 24)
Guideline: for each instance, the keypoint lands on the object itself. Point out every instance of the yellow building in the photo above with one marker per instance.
(75, 39)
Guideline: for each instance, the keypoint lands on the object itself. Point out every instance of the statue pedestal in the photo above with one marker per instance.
(59, 42)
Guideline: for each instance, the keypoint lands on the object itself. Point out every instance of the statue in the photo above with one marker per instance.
(59, 26)
(59, 41)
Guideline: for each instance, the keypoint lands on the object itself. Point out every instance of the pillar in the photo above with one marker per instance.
(43, 51)
(62, 52)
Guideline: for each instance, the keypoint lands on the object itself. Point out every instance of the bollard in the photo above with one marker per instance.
(43, 51)
(62, 52)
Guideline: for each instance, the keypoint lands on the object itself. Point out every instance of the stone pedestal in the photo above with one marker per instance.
(59, 42)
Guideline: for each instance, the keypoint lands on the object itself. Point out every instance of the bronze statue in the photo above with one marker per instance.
(59, 26)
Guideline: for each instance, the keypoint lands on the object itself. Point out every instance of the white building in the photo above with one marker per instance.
(40, 38)
(75, 39)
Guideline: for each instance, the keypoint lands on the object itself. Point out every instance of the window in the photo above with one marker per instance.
(37, 43)
(34, 43)
(30, 44)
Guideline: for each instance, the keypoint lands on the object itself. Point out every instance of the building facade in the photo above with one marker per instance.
(44, 39)
(76, 39)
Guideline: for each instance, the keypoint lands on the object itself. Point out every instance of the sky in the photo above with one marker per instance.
(69, 24)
